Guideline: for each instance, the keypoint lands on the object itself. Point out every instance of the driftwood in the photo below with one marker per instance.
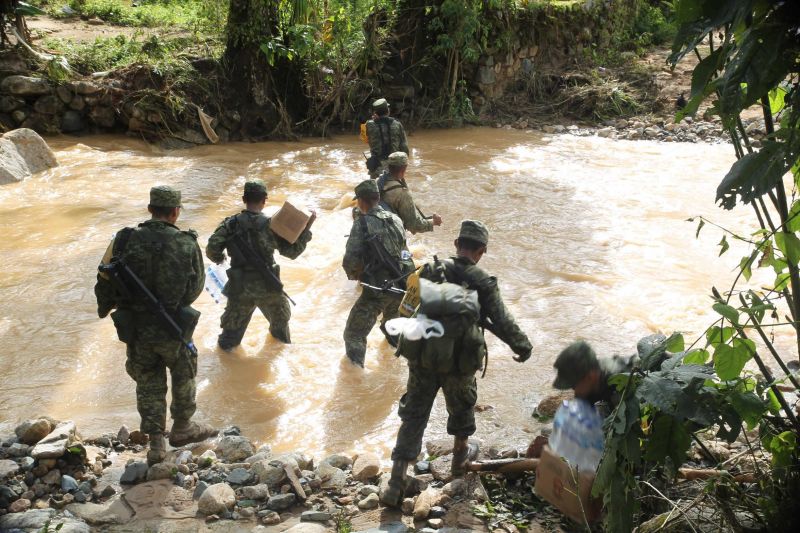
(508, 466)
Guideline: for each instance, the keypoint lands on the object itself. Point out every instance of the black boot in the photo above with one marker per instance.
(281, 334)
(394, 493)
(463, 454)
(230, 338)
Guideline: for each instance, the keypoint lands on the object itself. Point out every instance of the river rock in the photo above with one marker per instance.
(53, 477)
(85, 87)
(366, 490)
(606, 132)
(23, 153)
(388, 527)
(367, 466)
(315, 516)
(234, 448)
(408, 506)
(68, 484)
(435, 523)
(26, 463)
(422, 507)
(29, 521)
(259, 456)
(25, 86)
(161, 471)
(199, 489)
(338, 460)
(269, 474)
(440, 468)
(208, 458)
(255, 492)
(10, 103)
(370, 502)
(19, 506)
(48, 104)
(281, 502)
(439, 447)
(8, 468)
(331, 477)
(103, 116)
(307, 527)
(134, 473)
(216, 499)
(240, 476)
(456, 488)
(17, 450)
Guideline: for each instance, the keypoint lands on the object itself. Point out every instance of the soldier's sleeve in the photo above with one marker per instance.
(215, 249)
(408, 213)
(403, 140)
(292, 251)
(103, 289)
(352, 262)
(197, 274)
(503, 324)
(374, 137)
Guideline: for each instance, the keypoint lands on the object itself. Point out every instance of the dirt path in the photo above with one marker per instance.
(78, 30)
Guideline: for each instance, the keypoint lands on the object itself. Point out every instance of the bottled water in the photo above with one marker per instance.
(216, 278)
(578, 434)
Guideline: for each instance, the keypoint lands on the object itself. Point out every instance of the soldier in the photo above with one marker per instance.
(247, 287)
(170, 264)
(396, 196)
(361, 263)
(466, 355)
(579, 368)
(385, 135)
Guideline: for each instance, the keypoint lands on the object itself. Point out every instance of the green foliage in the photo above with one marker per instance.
(199, 15)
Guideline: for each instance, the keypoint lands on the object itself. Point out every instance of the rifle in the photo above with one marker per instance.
(237, 245)
(124, 278)
(393, 290)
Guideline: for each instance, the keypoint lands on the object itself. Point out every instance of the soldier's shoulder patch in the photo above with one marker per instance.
(190, 232)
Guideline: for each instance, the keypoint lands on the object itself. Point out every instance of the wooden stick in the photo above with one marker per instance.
(504, 466)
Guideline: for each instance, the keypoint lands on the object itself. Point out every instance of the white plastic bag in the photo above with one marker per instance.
(416, 328)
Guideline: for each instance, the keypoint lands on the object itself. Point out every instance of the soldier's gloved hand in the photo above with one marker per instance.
(522, 358)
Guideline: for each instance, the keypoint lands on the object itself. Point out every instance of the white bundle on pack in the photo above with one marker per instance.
(415, 328)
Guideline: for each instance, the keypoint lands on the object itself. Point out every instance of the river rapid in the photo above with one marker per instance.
(588, 238)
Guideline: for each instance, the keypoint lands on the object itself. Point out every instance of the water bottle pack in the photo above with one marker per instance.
(416, 328)
(216, 278)
(578, 434)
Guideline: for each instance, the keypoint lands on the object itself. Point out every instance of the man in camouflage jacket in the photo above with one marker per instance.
(359, 263)
(170, 264)
(247, 288)
(385, 135)
(397, 198)
(457, 382)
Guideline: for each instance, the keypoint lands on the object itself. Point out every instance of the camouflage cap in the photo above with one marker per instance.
(380, 105)
(165, 196)
(397, 159)
(255, 186)
(366, 187)
(573, 363)
(474, 231)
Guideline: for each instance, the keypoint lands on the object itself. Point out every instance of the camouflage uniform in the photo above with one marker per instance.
(397, 197)
(385, 135)
(170, 264)
(357, 265)
(460, 390)
(246, 288)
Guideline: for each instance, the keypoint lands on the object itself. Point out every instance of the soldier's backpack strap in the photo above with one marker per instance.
(384, 126)
(121, 241)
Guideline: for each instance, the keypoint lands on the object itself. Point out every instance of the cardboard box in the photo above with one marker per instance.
(566, 488)
(289, 222)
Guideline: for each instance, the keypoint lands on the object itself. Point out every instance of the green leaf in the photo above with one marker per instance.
(717, 335)
(675, 343)
(749, 406)
(668, 438)
(723, 244)
(729, 360)
(753, 175)
(781, 282)
(699, 227)
(783, 446)
(793, 220)
(697, 357)
(659, 392)
(789, 244)
(27, 10)
(727, 311)
(745, 265)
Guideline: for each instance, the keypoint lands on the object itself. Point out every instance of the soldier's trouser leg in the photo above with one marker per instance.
(183, 370)
(359, 323)
(415, 410)
(146, 367)
(460, 394)
(277, 312)
(234, 321)
(390, 310)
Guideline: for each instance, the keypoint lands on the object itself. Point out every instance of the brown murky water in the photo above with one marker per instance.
(588, 239)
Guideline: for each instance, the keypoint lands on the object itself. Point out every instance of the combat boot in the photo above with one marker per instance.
(463, 453)
(282, 334)
(395, 492)
(185, 431)
(230, 338)
(158, 449)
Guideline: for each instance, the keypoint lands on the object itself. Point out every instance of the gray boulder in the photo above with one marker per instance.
(23, 153)
(234, 448)
(216, 499)
(25, 86)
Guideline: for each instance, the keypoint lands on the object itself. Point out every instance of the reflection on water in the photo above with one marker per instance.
(588, 239)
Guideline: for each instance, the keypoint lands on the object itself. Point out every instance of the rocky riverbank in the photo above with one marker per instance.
(50, 475)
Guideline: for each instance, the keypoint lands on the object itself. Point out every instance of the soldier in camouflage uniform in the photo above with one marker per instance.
(170, 264)
(397, 198)
(247, 288)
(458, 382)
(359, 264)
(385, 135)
(579, 368)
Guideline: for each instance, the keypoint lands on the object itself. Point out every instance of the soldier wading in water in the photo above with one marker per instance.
(252, 244)
(168, 262)
(450, 362)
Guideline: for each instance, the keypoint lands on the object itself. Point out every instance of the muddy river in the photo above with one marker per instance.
(588, 239)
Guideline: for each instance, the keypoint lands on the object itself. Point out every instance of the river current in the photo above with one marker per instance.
(589, 240)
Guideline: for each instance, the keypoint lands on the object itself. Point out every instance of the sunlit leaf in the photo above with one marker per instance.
(749, 406)
(777, 99)
(727, 311)
(782, 281)
(675, 343)
(729, 360)
(723, 244)
(718, 335)
(697, 357)
(789, 244)
(753, 175)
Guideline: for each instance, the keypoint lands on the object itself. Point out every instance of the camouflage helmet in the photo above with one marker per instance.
(255, 186)
(165, 196)
(474, 231)
(380, 105)
(397, 159)
(573, 363)
(366, 187)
